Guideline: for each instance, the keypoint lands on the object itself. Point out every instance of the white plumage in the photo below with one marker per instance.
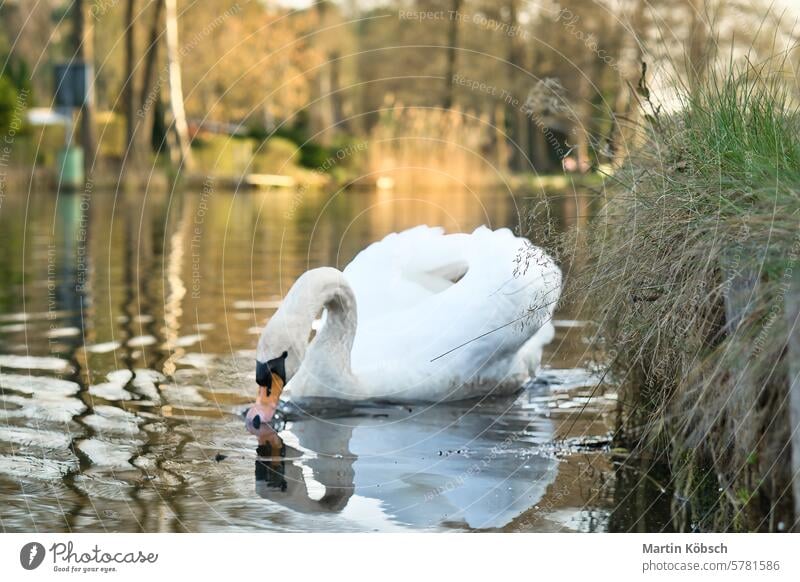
(422, 316)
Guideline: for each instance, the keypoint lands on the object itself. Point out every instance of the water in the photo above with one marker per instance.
(128, 323)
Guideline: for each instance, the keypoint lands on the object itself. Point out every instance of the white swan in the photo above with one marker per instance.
(394, 318)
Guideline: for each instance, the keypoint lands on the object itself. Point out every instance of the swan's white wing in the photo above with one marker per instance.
(411, 313)
(404, 269)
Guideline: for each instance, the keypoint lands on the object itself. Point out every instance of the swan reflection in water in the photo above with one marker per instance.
(271, 461)
(279, 477)
(461, 464)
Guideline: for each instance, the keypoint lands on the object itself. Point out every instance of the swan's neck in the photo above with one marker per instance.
(328, 354)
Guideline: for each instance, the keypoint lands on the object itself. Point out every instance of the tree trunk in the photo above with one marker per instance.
(698, 43)
(337, 107)
(85, 52)
(501, 140)
(517, 116)
(540, 146)
(540, 149)
(182, 155)
(452, 54)
(582, 125)
(702, 44)
(523, 141)
(147, 101)
(128, 103)
(322, 112)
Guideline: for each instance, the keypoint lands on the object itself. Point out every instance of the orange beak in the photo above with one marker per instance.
(264, 409)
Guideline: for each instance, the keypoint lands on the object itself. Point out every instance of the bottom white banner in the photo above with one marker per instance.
(396, 556)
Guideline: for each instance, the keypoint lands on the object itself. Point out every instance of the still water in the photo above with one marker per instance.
(128, 323)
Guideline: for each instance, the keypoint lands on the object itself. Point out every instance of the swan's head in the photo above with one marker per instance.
(271, 378)
(282, 336)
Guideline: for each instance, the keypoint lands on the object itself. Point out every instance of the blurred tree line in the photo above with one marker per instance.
(545, 83)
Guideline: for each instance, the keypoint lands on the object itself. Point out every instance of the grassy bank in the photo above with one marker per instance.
(689, 271)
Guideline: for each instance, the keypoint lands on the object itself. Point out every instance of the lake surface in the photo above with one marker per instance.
(128, 324)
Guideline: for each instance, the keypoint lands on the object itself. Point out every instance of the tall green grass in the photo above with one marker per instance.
(686, 274)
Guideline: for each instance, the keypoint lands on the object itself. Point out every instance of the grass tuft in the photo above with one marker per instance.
(687, 271)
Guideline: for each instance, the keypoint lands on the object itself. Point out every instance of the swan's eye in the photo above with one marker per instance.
(257, 422)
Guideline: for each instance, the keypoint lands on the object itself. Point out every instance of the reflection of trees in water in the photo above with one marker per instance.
(174, 303)
(74, 298)
(121, 269)
(129, 240)
(640, 503)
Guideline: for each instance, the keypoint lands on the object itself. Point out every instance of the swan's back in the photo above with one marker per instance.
(422, 293)
(405, 268)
